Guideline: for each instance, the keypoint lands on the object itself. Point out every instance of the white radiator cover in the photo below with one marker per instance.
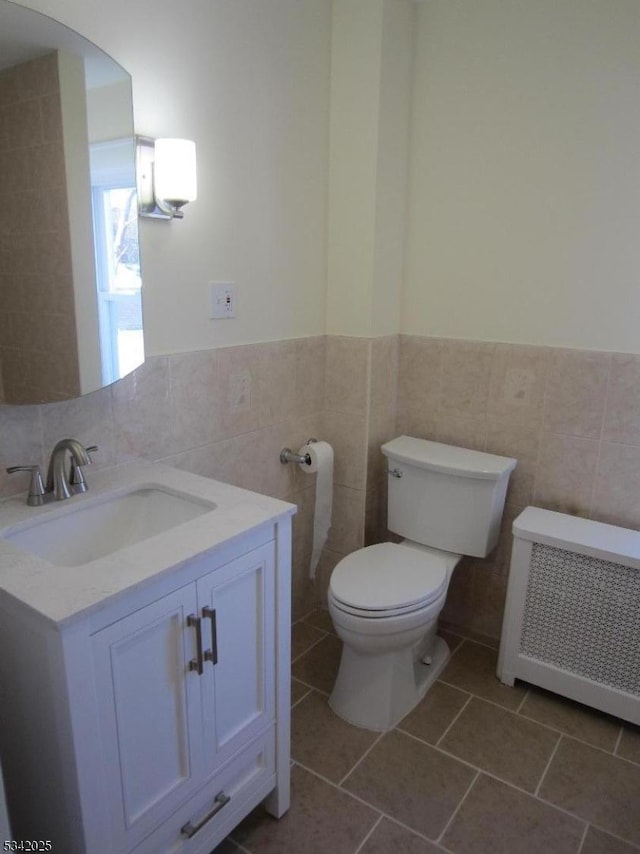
(572, 617)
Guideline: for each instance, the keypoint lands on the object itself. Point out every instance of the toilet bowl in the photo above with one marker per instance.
(385, 601)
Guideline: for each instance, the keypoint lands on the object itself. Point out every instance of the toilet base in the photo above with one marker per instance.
(377, 691)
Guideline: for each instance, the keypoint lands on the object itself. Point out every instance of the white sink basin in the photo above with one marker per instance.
(86, 532)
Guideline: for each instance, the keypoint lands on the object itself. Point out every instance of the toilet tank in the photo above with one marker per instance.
(446, 497)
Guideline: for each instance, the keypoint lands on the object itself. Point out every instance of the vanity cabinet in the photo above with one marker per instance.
(156, 720)
(183, 685)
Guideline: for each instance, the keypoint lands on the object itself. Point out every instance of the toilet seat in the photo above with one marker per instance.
(388, 580)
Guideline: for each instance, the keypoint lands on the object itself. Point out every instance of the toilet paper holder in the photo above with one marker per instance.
(288, 456)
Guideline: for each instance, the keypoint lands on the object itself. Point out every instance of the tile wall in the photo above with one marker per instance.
(222, 413)
(360, 406)
(37, 314)
(570, 417)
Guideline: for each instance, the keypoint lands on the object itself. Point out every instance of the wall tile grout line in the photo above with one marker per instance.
(542, 426)
(594, 485)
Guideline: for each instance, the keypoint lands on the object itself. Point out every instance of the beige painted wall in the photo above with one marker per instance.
(371, 59)
(109, 111)
(249, 82)
(392, 167)
(523, 209)
(355, 78)
(525, 188)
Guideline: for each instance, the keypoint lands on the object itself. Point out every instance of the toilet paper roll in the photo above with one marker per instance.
(321, 455)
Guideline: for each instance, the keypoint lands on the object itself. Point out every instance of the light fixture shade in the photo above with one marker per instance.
(175, 171)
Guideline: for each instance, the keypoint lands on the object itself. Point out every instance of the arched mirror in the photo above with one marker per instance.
(70, 283)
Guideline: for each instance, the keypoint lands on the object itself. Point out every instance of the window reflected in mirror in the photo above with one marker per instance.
(118, 279)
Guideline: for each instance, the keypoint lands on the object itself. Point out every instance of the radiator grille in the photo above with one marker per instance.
(583, 615)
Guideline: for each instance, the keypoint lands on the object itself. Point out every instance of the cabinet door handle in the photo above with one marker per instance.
(197, 663)
(220, 801)
(211, 654)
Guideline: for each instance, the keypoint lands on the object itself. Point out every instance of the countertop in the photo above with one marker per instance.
(65, 593)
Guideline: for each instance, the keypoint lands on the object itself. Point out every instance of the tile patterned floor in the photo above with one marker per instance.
(476, 768)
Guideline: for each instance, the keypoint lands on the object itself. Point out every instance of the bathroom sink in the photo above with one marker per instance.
(86, 532)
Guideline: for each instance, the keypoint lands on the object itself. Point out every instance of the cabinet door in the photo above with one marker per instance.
(238, 689)
(150, 725)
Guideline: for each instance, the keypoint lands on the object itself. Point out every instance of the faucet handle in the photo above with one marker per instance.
(76, 475)
(35, 497)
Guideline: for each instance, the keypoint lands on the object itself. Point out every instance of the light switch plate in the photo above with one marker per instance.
(223, 300)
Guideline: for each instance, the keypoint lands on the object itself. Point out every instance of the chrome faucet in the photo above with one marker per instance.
(59, 485)
(57, 481)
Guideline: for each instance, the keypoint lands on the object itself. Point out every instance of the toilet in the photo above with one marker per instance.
(385, 599)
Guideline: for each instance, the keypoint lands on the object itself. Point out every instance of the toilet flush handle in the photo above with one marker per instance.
(395, 472)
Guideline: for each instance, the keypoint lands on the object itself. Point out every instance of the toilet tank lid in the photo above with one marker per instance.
(448, 458)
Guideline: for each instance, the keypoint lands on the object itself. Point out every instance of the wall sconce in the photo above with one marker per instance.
(166, 176)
